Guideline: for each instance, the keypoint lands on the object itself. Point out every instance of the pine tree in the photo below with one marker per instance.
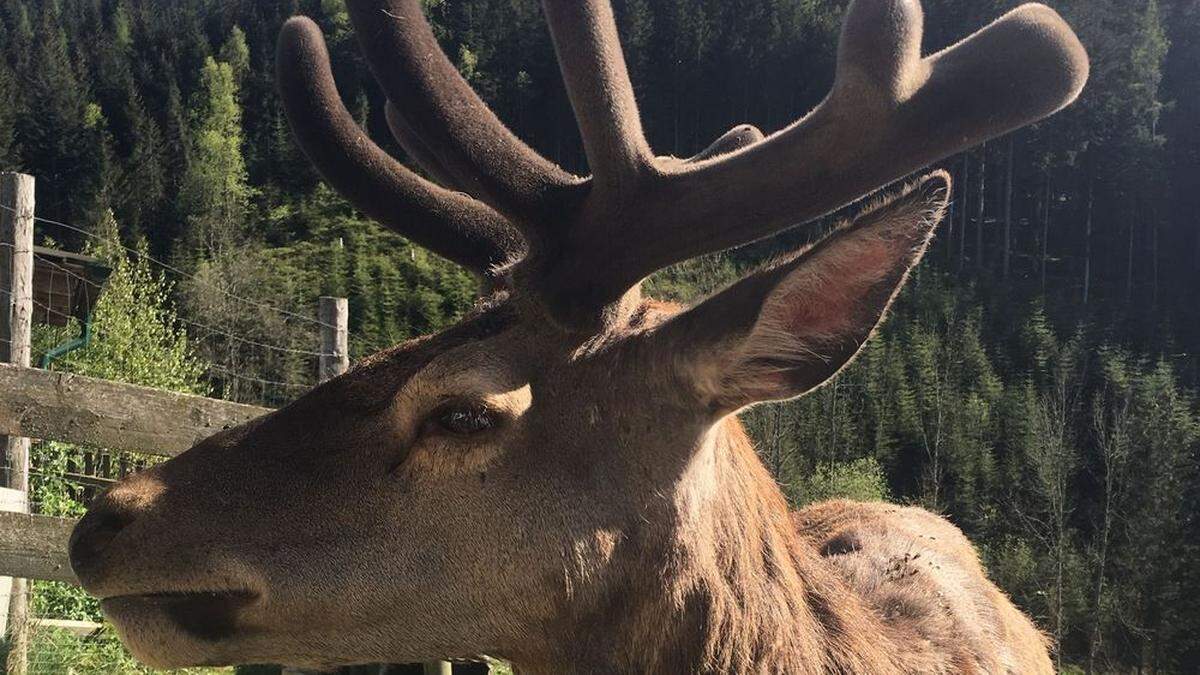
(63, 134)
(142, 182)
(215, 194)
(9, 152)
(236, 53)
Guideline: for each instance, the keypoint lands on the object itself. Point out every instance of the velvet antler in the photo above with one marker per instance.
(593, 67)
(448, 223)
(592, 240)
(890, 112)
(479, 153)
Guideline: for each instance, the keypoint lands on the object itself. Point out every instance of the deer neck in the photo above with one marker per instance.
(730, 588)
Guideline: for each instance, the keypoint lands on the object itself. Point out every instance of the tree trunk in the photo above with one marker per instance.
(675, 86)
(1098, 593)
(1154, 227)
(1112, 442)
(966, 192)
(981, 208)
(1008, 204)
(1058, 591)
(1087, 242)
(951, 219)
(1045, 230)
(1129, 256)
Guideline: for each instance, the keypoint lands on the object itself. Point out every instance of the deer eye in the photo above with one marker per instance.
(464, 419)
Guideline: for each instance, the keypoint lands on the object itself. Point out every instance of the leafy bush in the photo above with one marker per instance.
(860, 479)
(136, 339)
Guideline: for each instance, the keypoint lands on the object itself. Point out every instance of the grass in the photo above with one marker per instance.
(53, 651)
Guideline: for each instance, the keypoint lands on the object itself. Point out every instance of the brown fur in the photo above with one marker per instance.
(691, 563)
(688, 563)
(611, 515)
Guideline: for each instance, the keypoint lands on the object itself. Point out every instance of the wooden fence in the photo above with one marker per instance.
(75, 409)
(55, 406)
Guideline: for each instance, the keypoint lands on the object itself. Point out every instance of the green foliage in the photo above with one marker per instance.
(136, 338)
(58, 651)
(215, 193)
(236, 53)
(64, 601)
(692, 280)
(397, 291)
(860, 480)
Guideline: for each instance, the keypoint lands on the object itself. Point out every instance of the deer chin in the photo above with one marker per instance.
(177, 629)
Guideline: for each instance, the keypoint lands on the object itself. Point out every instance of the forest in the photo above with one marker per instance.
(1036, 383)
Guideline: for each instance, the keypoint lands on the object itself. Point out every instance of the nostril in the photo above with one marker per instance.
(92, 536)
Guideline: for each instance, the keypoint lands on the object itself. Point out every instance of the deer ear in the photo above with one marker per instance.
(786, 329)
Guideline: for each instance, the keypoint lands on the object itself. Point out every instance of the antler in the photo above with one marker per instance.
(589, 54)
(477, 151)
(592, 240)
(890, 112)
(447, 223)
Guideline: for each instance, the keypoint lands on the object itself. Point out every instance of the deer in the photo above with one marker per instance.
(561, 479)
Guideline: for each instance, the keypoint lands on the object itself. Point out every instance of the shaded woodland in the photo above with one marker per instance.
(1036, 383)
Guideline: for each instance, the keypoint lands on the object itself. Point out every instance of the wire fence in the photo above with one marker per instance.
(50, 311)
(188, 322)
(175, 270)
(257, 387)
(58, 647)
(91, 469)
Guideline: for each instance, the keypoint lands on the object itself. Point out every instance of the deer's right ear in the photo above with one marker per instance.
(788, 328)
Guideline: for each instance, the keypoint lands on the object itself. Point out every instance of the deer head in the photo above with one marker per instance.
(560, 478)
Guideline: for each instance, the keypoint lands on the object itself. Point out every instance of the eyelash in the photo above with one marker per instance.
(463, 419)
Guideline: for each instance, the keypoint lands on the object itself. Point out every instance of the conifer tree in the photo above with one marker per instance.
(215, 194)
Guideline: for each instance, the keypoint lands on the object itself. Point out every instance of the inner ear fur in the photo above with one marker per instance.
(794, 324)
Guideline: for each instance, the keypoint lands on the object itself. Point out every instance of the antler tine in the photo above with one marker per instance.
(593, 67)
(890, 113)
(741, 136)
(481, 155)
(416, 148)
(447, 223)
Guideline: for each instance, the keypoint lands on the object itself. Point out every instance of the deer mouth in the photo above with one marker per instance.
(205, 615)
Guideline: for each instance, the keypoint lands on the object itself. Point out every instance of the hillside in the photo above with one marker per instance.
(1037, 382)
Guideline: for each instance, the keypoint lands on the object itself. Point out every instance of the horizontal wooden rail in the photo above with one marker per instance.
(81, 629)
(35, 547)
(75, 409)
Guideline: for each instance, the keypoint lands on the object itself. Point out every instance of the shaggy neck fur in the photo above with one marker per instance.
(731, 588)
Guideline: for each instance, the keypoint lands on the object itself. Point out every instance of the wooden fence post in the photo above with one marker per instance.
(16, 323)
(11, 501)
(334, 315)
(334, 359)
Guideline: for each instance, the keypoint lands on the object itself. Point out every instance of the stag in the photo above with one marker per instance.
(560, 479)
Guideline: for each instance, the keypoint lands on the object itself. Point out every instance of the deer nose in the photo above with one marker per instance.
(94, 534)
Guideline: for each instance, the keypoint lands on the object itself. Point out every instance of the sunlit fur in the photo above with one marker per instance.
(629, 530)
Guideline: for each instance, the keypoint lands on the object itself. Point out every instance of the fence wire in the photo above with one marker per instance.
(63, 480)
(188, 322)
(79, 647)
(176, 271)
(273, 392)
